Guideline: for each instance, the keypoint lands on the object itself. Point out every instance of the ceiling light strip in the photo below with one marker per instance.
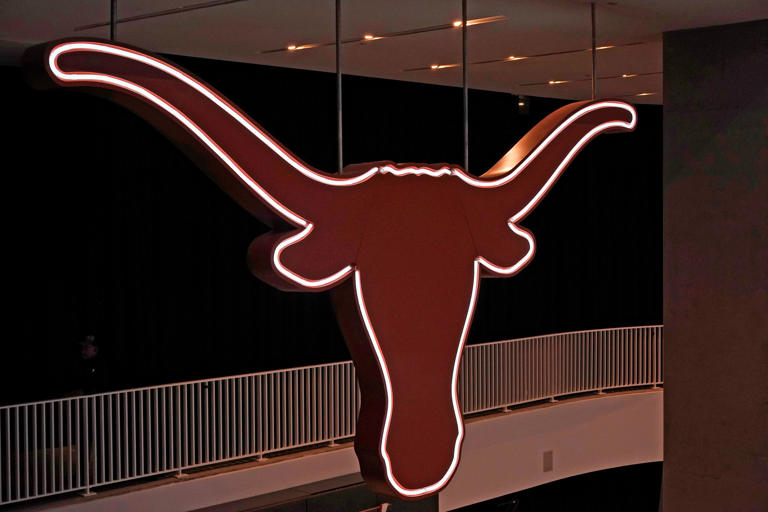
(610, 77)
(390, 35)
(514, 58)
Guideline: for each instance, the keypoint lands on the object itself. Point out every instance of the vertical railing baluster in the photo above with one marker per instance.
(142, 442)
(255, 411)
(95, 455)
(78, 443)
(102, 457)
(133, 458)
(87, 444)
(220, 424)
(207, 416)
(134, 436)
(7, 453)
(49, 450)
(182, 430)
(61, 446)
(33, 435)
(246, 424)
(118, 437)
(194, 423)
(110, 440)
(270, 411)
(18, 455)
(240, 418)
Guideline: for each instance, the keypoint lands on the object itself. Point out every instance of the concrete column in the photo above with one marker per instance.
(716, 268)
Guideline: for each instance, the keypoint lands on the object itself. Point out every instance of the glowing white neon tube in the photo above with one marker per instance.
(307, 226)
(210, 143)
(183, 77)
(417, 171)
(543, 144)
(319, 283)
(436, 486)
(522, 262)
(553, 177)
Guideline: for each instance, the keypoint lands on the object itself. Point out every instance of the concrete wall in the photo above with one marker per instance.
(716, 268)
(535, 446)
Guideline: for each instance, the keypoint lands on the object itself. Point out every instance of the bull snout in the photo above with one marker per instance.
(407, 343)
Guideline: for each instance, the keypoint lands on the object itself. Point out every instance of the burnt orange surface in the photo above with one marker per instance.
(412, 244)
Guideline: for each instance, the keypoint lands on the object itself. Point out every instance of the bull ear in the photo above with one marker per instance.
(315, 258)
(250, 165)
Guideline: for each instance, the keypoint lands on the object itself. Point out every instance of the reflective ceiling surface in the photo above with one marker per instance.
(528, 47)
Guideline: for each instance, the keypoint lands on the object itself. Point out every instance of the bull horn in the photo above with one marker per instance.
(527, 171)
(509, 191)
(251, 166)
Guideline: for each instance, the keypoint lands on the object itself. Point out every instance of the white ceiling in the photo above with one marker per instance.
(241, 31)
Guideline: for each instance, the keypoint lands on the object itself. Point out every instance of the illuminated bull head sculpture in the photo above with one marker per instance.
(403, 247)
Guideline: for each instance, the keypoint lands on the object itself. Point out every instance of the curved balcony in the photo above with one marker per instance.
(78, 444)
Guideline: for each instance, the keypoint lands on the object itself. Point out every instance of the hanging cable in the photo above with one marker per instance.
(465, 91)
(112, 19)
(338, 87)
(594, 52)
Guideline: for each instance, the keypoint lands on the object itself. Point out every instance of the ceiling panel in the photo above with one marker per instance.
(242, 30)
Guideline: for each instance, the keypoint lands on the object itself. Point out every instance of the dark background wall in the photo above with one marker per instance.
(112, 231)
(716, 268)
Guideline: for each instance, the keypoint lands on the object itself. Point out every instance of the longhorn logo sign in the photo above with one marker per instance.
(403, 247)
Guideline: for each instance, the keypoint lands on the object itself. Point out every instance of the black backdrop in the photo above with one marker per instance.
(112, 231)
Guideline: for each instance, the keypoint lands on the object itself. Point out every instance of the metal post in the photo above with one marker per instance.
(112, 19)
(594, 52)
(465, 91)
(338, 88)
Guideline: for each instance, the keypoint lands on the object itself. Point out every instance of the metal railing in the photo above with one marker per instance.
(75, 444)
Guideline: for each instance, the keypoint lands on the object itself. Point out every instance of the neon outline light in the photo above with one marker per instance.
(388, 386)
(306, 227)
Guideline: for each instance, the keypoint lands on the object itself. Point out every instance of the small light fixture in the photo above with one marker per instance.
(558, 82)
(604, 47)
(628, 75)
(443, 66)
(369, 37)
(513, 58)
(523, 104)
(291, 47)
(645, 94)
(457, 23)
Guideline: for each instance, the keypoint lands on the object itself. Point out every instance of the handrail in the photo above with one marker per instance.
(75, 444)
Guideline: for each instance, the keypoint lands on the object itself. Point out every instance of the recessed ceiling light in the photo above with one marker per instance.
(443, 66)
(482, 21)
(628, 75)
(291, 47)
(369, 37)
(604, 47)
(512, 57)
(645, 94)
(558, 82)
(457, 23)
